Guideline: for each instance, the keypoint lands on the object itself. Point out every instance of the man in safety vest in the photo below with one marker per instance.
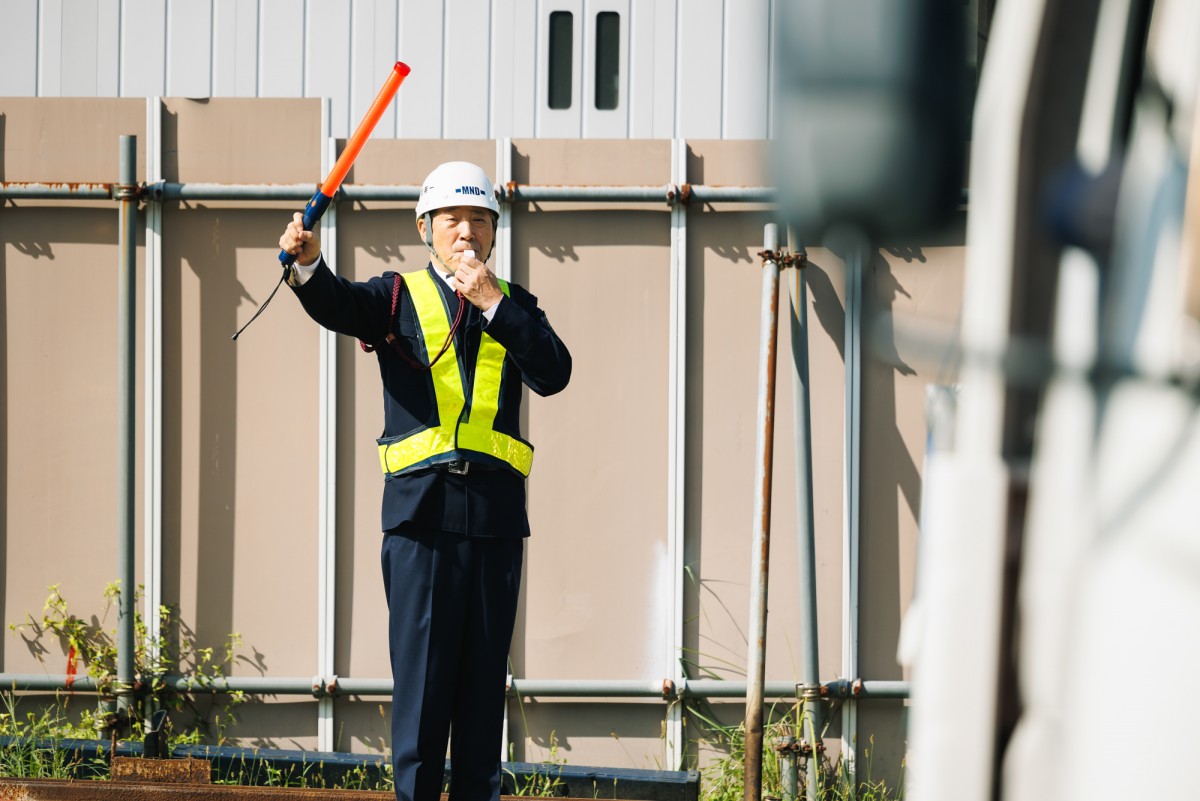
(454, 344)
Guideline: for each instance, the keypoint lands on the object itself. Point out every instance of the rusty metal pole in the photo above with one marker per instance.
(757, 630)
(126, 195)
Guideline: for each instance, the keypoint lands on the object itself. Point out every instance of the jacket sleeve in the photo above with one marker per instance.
(360, 310)
(522, 328)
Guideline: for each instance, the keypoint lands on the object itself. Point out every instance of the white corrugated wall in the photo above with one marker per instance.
(694, 69)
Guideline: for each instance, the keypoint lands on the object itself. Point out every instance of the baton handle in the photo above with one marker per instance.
(312, 212)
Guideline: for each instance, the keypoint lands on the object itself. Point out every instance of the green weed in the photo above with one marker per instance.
(33, 753)
(724, 777)
(91, 644)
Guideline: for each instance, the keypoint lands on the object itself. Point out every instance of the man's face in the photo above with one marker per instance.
(460, 228)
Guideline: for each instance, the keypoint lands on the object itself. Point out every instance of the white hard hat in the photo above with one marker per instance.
(457, 183)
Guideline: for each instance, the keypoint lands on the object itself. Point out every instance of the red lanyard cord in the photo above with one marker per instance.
(391, 338)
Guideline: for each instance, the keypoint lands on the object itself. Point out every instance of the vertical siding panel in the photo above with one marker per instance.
(559, 123)
(514, 68)
(666, 41)
(77, 55)
(610, 123)
(420, 104)
(373, 52)
(746, 81)
(224, 47)
(50, 31)
(18, 57)
(466, 94)
(503, 66)
(772, 72)
(189, 48)
(235, 48)
(143, 48)
(108, 48)
(524, 74)
(281, 48)
(327, 60)
(699, 102)
(642, 45)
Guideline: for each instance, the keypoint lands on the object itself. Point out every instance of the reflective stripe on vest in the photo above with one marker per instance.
(450, 438)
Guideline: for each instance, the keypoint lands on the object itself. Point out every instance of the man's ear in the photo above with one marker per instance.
(421, 226)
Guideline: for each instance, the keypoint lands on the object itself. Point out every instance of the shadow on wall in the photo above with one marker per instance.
(889, 474)
(382, 232)
(890, 477)
(344, 525)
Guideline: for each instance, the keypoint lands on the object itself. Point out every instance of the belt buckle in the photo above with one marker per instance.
(460, 467)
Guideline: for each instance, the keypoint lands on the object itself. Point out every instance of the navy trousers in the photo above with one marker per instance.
(452, 603)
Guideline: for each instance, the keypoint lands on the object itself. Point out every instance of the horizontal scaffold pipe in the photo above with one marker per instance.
(251, 685)
(164, 190)
(521, 193)
(541, 688)
(378, 192)
(512, 193)
(25, 682)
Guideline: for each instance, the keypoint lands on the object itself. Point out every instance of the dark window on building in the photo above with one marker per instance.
(608, 60)
(561, 45)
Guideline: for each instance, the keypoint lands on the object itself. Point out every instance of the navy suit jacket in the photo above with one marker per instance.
(488, 503)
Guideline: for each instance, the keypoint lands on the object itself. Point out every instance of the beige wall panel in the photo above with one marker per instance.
(242, 140)
(602, 162)
(59, 439)
(239, 443)
(595, 578)
(68, 139)
(618, 735)
(408, 161)
(595, 589)
(728, 162)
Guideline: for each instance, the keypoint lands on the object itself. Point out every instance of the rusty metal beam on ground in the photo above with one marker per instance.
(67, 790)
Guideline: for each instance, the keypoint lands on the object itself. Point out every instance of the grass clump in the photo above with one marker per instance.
(723, 778)
(33, 743)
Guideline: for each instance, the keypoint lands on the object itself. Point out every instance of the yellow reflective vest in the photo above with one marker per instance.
(459, 432)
